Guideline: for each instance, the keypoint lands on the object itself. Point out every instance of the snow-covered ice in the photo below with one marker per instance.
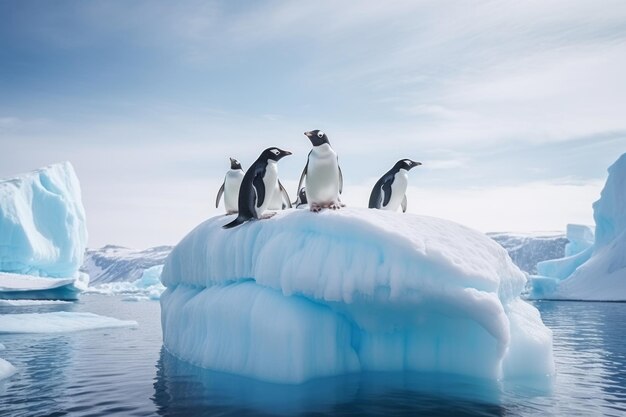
(305, 295)
(58, 322)
(595, 269)
(42, 232)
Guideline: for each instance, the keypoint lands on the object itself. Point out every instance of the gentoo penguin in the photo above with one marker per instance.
(230, 187)
(258, 185)
(324, 180)
(389, 192)
(301, 200)
(280, 198)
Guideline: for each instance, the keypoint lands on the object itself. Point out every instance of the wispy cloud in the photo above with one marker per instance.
(149, 99)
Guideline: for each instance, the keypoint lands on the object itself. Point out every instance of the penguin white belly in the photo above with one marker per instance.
(398, 190)
(270, 180)
(277, 199)
(232, 183)
(322, 178)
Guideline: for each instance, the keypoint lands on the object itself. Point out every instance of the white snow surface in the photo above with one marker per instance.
(58, 322)
(598, 272)
(305, 295)
(19, 282)
(42, 223)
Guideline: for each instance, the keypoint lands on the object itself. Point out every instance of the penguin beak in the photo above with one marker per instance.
(232, 161)
(308, 134)
(417, 164)
(287, 153)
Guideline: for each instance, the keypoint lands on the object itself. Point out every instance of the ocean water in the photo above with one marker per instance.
(125, 372)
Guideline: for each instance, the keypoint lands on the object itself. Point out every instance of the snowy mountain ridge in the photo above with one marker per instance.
(113, 263)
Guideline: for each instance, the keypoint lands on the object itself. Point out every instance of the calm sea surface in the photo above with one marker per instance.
(125, 372)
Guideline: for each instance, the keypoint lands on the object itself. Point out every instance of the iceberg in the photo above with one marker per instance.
(595, 265)
(306, 295)
(42, 233)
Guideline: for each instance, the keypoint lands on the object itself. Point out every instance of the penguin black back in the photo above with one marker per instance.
(252, 192)
(381, 193)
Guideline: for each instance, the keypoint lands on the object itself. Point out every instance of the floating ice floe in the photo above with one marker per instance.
(31, 303)
(58, 322)
(305, 295)
(42, 234)
(6, 369)
(595, 266)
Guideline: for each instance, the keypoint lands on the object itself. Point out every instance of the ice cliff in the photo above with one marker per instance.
(305, 295)
(594, 268)
(42, 228)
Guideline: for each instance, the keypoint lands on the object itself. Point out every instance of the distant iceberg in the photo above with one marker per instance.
(595, 266)
(148, 287)
(42, 234)
(305, 295)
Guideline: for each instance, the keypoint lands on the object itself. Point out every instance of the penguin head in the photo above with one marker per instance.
(407, 164)
(234, 164)
(317, 137)
(274, 154)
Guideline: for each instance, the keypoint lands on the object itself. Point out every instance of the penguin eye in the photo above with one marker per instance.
(406, 161)
(275, 151)
(320, 134)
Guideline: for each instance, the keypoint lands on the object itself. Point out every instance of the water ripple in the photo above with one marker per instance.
(124, 372)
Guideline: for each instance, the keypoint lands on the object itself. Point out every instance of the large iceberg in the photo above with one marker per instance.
(42, 230)
(594, 268)
(305, 295)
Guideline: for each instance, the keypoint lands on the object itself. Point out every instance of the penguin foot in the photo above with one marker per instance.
(268, 216)
(315, 208)
(336, 206)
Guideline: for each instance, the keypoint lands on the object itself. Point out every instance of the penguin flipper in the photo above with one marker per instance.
(239, 220)
(285, 196)
(376, 197)
(404, 204)
(259, 188)
(387, 193)
(340, 178)
(304, 171)
(219, 195)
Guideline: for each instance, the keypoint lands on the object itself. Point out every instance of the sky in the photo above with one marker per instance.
(515, 109)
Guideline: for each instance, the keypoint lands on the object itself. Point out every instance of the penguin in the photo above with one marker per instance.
(230, 187)
(301, 200)
(389, 192)
(257, 187)
(322, 174)
(280, 198)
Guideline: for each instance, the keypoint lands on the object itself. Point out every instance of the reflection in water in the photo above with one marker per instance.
(182, 389)
(48, 360)
(112, 372)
